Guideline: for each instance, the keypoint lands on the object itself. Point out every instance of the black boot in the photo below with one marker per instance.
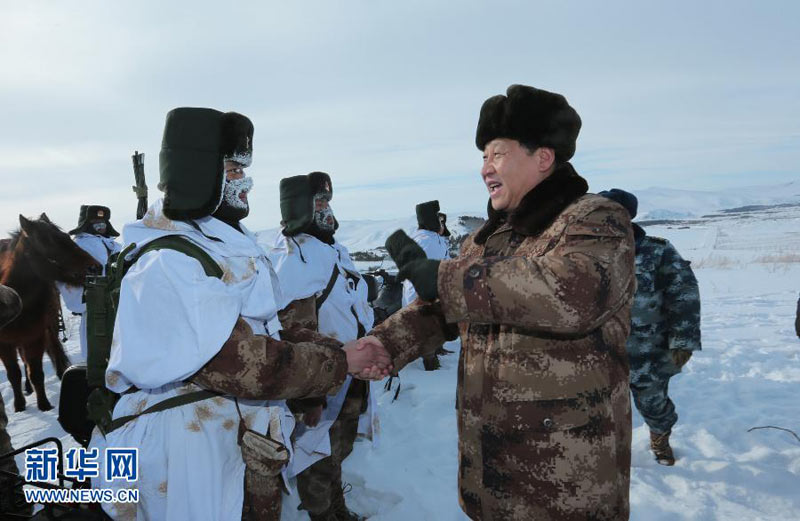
(339, 507)
(328, 515)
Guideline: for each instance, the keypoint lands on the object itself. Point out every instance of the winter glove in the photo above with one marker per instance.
(402, 249)
(312, 416)
(414, 265)
(680, 356)
(304, 405)
(424, 275)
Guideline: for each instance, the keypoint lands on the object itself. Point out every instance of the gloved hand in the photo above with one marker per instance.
(424, 275)
(312, 416)
(402, 249)
(680, 356)
(414, 265)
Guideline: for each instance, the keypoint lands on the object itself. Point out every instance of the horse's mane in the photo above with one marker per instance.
(10, 243)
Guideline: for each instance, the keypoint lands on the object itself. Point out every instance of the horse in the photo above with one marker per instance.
(31, 261)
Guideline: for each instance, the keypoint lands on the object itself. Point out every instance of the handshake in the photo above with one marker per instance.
(367, 359)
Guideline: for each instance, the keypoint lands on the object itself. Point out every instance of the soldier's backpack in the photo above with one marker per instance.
(85, 401)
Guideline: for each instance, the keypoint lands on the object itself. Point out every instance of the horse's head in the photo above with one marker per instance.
(52, 254)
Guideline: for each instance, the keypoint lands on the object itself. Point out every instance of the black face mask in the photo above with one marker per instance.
(325, 236)
(100, 228)
(231, 215)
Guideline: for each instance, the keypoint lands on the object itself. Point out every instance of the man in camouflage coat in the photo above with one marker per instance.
(541, 297)
(665, 328)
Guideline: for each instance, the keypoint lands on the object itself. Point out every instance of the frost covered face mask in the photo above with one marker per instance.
(234, 206)
(235, 192)
(100, 228)
(323, 213)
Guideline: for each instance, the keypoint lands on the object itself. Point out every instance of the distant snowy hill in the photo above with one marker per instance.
(369, 235)
(668, 203)
(654, 203)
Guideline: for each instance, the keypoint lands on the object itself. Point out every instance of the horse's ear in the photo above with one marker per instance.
(25, 224)
(45, 218)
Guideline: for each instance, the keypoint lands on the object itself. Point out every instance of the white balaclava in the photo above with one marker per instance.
(324, 218)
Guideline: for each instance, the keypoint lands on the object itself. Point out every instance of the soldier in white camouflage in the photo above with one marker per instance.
(665, 328)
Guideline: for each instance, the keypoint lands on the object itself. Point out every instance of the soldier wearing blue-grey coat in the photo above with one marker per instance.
(665, 328)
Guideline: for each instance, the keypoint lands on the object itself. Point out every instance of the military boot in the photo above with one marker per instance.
(659, 443)
(328, 515)
(339, 507)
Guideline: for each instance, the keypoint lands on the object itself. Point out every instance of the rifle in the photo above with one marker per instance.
(140, 189)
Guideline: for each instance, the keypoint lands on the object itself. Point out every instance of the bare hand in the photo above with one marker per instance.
(311, 417)
(367, 359)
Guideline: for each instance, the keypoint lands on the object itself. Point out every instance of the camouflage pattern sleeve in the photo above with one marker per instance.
(260, 367)
(300, 313)
(299, 322)
(416, 329)
(571, 289)
(681, 300)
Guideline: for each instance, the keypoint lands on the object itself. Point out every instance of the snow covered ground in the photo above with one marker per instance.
(748, 375)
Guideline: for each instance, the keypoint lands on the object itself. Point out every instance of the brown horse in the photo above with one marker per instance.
(31, 261)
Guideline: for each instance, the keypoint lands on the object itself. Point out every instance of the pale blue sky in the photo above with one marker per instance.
(385, 95)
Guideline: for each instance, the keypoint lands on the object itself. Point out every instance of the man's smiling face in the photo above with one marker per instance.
(510, 171)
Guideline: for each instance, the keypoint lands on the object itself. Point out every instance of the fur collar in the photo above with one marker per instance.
(540, 206)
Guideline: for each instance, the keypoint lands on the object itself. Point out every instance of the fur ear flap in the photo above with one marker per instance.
(45, 218)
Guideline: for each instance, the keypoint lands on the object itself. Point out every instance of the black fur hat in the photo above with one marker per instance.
(428, 216)
(297, 200)
(534, 117)
(191, 163)
(626, 199)
(237, 138)
(195, 145)
(89, 213)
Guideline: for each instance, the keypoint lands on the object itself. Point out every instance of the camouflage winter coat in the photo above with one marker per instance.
(666, 310)
(542, 301)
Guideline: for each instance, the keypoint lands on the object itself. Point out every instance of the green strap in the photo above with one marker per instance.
(212, 269)
(169, 403)
(327, 291)
(185, 246)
